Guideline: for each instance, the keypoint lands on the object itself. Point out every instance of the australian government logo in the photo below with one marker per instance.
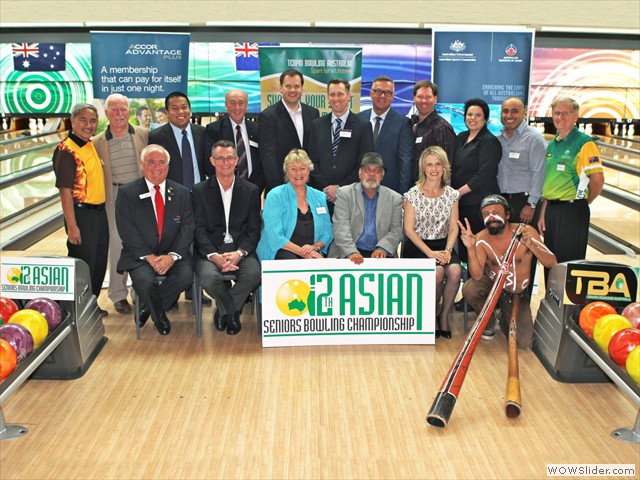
(457, 53)
(347, 302)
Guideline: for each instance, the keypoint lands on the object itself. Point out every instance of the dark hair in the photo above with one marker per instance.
(339, 81)
(425, 84)
(161, 110)
(291, 73)
(223, 144)
(477, 102)
(174, 95)
(141, 109)
(382, 78)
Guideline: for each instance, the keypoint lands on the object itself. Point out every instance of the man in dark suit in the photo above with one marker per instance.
(155, 221)
(185, 142)
(283, 127)
(227, 212)
(243, 133)
(337, 143)
(392, 135)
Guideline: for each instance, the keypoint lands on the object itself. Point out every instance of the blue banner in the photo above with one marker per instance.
(479, 64)
(139, 65)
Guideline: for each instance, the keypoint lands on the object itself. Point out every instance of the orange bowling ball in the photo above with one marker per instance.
(8, 359)
(606, 328)
(34, 322)
(591, 313)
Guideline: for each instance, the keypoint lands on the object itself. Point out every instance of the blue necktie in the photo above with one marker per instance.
(336, 137)
(187, 162)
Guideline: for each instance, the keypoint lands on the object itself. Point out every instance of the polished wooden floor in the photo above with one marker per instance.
(224, 407)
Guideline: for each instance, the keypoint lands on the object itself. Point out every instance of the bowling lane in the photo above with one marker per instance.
(622, 222)
(28, 144)
(18, 197)
(623, 180)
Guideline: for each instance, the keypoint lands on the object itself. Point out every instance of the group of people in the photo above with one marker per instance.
(342, 185)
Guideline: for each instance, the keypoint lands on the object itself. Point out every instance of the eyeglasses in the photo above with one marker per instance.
(159, 163)
(562, 114)
(228, 159)
(379, 92)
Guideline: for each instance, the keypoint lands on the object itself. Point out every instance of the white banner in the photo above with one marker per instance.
(31, 277)
(335, 302)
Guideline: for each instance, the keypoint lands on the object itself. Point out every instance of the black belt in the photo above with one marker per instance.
(118, 184)
(515, 195)
(89, 206)
(557, 202)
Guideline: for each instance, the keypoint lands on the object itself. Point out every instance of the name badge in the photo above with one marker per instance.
(253, 144)
(345, 133)
(515, 155)
(560, 167)
(145, 195)
(418, 140)
(321, 210)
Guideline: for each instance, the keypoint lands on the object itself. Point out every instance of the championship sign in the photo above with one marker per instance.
(29, 277)
(334, 302)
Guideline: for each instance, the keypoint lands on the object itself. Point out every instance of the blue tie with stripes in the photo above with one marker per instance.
(336, 137)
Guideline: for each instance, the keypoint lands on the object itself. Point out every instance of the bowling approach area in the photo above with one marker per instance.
(223, 407)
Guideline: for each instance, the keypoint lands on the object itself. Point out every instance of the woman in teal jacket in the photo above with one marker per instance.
(295, 221)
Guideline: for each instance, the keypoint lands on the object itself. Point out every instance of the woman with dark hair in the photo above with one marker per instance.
(431, 227)
(475, 166)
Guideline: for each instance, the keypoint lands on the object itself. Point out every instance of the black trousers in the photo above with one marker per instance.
(567, 230)
(94, 249)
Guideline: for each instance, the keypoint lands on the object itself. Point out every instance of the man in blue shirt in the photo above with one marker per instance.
(367, 220)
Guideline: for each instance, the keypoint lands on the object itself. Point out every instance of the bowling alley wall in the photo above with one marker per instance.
(606, 82)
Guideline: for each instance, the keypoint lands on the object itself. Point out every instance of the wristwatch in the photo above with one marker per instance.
(241, 252)
(174, 256)
(532, 205)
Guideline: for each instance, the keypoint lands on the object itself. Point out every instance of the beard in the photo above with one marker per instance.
(495, 227)
(370, 184)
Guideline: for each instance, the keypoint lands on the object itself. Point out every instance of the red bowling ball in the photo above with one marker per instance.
(622, 343)
(7, 308)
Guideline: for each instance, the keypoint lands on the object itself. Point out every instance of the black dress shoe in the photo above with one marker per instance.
(163, 325)
(233, 324)
(219, 321)
(445, 334)
(122, 307)
(144, 315)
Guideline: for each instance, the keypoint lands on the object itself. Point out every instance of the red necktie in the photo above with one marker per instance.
(159, 210)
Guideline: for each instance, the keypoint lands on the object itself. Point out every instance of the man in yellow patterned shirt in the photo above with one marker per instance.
(80, 180)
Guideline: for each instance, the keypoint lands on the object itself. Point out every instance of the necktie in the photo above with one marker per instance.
(187, 162)
(336, 137)
(159, 201)
(376, 129)
(243, 169)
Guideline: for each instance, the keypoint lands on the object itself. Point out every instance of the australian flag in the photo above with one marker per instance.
(38, 57)
(247, 55)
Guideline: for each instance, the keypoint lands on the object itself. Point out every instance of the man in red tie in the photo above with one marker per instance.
(155, 222)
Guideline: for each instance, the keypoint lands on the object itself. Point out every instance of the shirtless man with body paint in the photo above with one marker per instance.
(486, 254)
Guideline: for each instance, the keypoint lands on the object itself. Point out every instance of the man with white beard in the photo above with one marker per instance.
(486, 254)
(367, 219)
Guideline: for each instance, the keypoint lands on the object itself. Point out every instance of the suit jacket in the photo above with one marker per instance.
(138, 229)
(277, 136)
(348, 220)
(140, 137)
(164, 136)
(244, 217)
(343, 169)
(223, 130)
(395, 144)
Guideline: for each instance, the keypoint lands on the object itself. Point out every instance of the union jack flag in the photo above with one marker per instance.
(25, 50)
(38, 57)
(246, 56)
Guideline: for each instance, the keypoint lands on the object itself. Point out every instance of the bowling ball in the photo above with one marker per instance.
(7, 308)
(632, 312)
(622, 343)
(633, 364)
(606, 327)
(49, 309)
(8, 359)
(591, 313)
(34, 322)
(19, 337)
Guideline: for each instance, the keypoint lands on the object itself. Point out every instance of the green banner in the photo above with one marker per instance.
(318, 65)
